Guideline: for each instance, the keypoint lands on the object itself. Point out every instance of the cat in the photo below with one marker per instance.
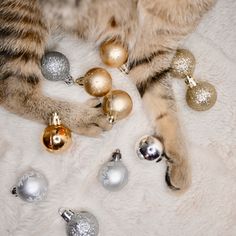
(151, 30)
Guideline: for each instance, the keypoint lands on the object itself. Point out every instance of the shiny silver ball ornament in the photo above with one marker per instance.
(56, 67)
(114, 175)
(183, 63)
(80, 223)
(32, 186)
(149, 148)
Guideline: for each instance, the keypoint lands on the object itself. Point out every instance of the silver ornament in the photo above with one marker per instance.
(149, 148)
(31, 187)
(56, 67)
(80, 223)
(114, 175)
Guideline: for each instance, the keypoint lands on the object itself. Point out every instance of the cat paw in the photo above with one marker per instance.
(178, 175)
(89, 119)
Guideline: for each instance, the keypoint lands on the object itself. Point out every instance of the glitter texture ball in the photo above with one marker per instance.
(149, 148)
(32, 186)
(114, 175)
(55, 66)
(183, 64)
(202, 96)
(80, 223)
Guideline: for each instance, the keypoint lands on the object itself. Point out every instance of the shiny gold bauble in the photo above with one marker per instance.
(97, 82)
(56, 137)
(202, 96)
(113, 53)
(183, 63)
(117, 105)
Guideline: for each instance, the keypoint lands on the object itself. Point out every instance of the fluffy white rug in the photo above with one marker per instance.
(145, 207)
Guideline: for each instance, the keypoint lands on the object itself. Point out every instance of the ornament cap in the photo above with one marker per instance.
(54, 119)
(66, 214)
(190, 81)
(14, 191)
(116, 156)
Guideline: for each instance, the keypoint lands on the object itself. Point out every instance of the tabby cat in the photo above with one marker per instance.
(151, 29)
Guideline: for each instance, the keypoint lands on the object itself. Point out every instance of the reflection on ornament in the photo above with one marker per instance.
(117, 105)
(202, 96)
(114, 175)
(32, 186)
(183, 63)
(56, 67)
(80, 223)
(56, 137)
(113, 53)
(97, 82)
(149, 148)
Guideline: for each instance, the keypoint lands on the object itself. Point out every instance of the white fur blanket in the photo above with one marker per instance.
(145, 207)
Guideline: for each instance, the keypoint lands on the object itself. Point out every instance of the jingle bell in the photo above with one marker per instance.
(56, 137)
(117, 105)
(113, 53)
(97, 82)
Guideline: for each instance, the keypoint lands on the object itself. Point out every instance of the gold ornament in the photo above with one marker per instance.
(183, 64)
(113, 53)
(117, 105)
(97, 82)
(56, 137)
(201, 96)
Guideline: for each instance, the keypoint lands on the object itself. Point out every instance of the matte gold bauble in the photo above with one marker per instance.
(113, 53)
(117, 105)
(56, 137)
(202, 96)
(183, 63)
(97, 82)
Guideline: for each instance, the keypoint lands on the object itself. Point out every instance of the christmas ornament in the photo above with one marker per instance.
(200, 95)
(113, 53)
(56, 137)
(80, 223)
(56, 67)
(117, 105)
(97, 82)
(31, 187)
(114, 175)
(149, 148)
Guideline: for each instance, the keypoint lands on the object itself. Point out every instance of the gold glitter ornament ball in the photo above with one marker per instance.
(113, 53)
(56, 137)
(117, 105)
(97, 82)
(201, 97)
(183, 63)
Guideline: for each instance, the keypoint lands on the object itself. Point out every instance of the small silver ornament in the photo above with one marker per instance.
(31, 187)
(149, 148)
(80, 223)
(56, 67)
(114, 175)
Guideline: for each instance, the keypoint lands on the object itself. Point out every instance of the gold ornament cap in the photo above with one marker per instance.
(202, 96)
(117, 105)
(56, 137)
(183, 64)
(113, 53)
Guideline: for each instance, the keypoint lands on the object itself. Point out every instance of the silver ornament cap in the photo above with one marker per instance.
(81, 223)
(32, 186)
(113, 175)
(56, 67)
(149, 148)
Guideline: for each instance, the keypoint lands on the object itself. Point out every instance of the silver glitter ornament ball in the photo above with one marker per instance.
(114, 175)
(149, 148)
(32, 186)
(56, 67)
(80, 223)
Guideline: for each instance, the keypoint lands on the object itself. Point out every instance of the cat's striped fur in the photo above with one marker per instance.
(151, 29)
